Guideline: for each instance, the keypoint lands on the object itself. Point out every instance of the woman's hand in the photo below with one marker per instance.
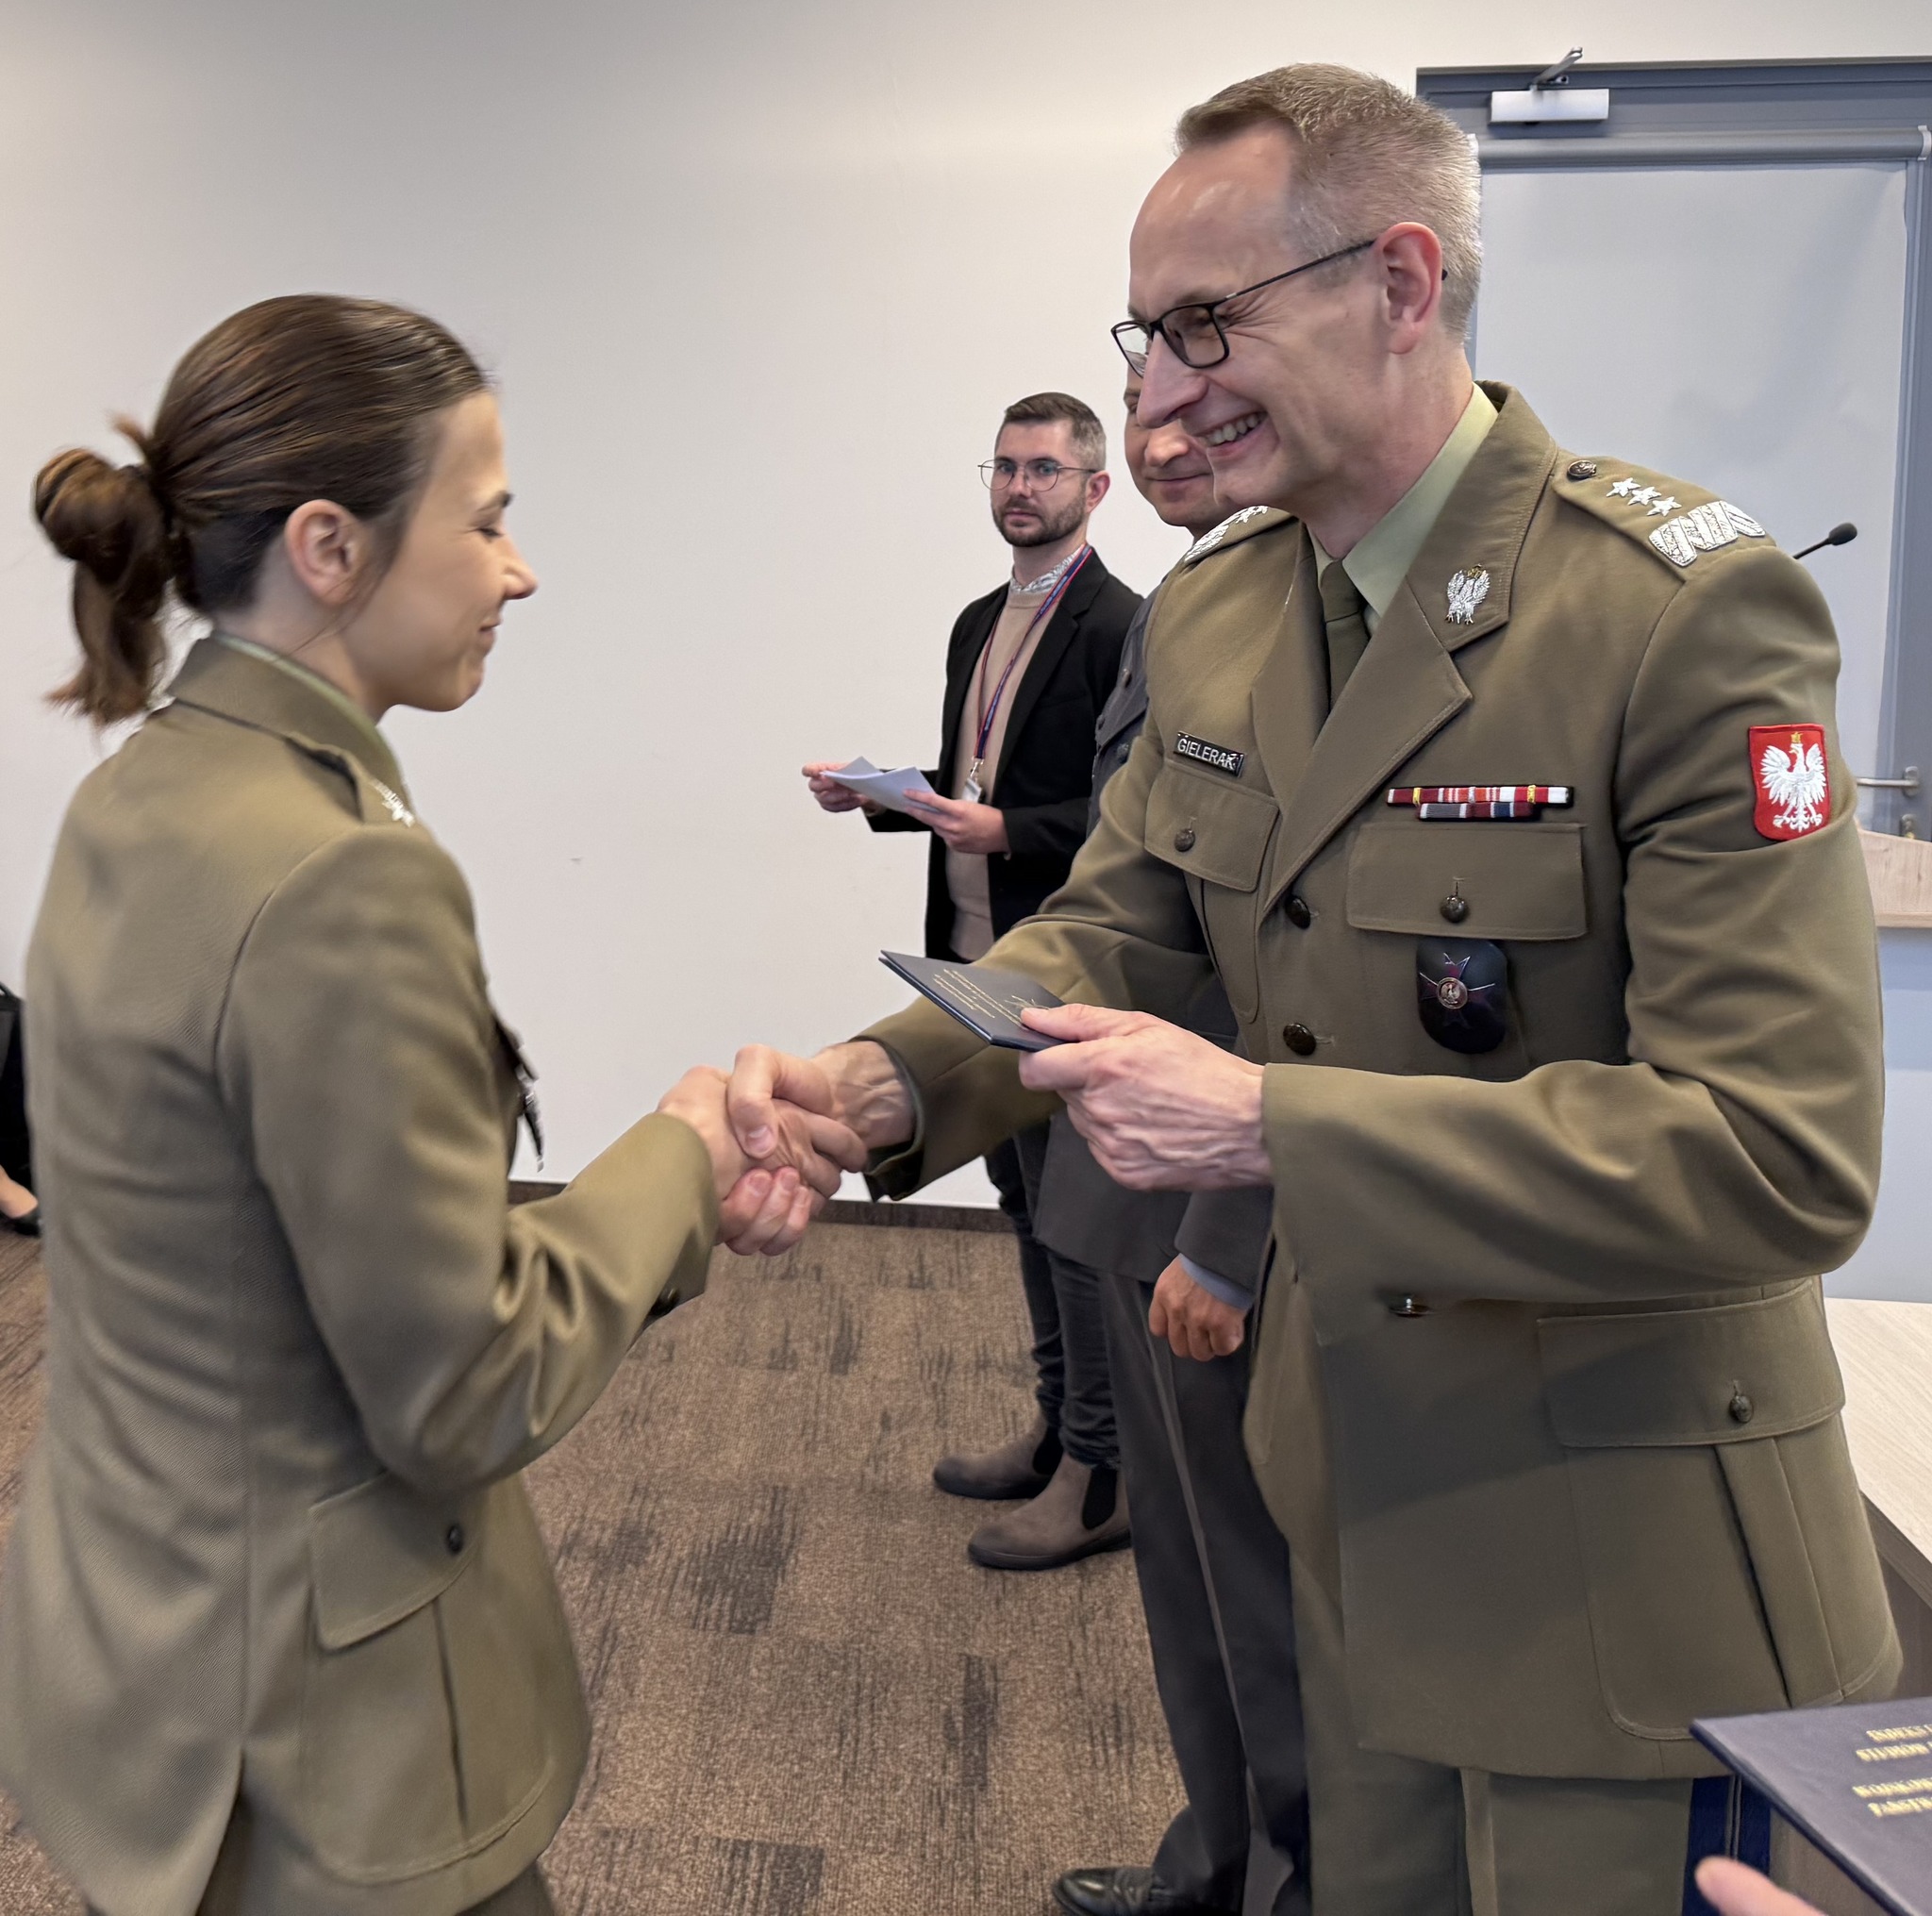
(768, 1194)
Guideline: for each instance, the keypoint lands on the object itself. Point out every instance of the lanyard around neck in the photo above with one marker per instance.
(990, 712)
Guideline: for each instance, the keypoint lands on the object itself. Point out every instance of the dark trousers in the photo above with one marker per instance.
(16, 1153)
(1075, 1389)
(1215, 1586)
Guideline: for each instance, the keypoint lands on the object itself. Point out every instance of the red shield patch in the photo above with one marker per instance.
(1791, 778)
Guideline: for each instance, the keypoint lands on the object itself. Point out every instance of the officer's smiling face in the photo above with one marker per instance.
(422, 636)
(1306, 363)
(1170, 470)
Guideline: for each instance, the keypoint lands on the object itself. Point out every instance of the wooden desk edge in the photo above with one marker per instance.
(1900, 874)
(1900, 1552)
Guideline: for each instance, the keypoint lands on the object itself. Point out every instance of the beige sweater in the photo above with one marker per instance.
(1018, 630)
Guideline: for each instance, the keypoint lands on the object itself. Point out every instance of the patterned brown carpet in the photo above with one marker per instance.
(807, 1703)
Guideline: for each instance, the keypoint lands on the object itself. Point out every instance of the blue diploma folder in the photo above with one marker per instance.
(1855, 1777)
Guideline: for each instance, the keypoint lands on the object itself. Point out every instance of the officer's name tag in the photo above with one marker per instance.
(1221, 758)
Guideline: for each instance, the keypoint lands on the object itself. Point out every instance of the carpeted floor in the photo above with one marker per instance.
(807, 1703)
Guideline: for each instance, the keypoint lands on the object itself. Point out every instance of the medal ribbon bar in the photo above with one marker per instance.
(1479, 794)
(1480, 807)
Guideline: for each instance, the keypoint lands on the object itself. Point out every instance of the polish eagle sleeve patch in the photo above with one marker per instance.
(1791, 778)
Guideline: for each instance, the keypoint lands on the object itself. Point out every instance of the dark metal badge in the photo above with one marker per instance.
(526, 1076)
(1203, 752)
(1462, 992)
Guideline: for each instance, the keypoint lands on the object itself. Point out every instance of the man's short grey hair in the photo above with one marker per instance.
(1367, 156)
(1086, 431)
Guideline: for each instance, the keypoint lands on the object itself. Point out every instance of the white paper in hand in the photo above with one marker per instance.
(887, 789)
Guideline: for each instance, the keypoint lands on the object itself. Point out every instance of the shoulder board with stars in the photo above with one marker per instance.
(1677, 521)
(1236, 526)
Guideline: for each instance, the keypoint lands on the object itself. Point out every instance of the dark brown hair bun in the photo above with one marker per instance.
(109, 521)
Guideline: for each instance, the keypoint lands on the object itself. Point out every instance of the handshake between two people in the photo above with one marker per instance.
(1161, 1109)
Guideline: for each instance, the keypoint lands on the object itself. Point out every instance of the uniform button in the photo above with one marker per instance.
(1408, 1307)
(1298, 1039)
(1298, 912)
(453, 1539)
(1184, 839)
(1743, 1409)
(1120, 751)
(1455, 908)
(1583, 469)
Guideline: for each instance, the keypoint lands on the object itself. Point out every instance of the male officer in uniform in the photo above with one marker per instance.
(1213, 1569)
(1520, 841)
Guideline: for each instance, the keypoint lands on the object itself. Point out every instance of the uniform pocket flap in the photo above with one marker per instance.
(1210, 827)
(1518, 880)
(1716, 1373)
(379, 1552)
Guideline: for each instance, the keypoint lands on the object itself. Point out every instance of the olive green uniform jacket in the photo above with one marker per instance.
(1543, 1390)
(272, 1542)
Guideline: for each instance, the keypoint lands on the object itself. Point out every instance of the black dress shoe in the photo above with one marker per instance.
(1124, 1891)
(29, 1226)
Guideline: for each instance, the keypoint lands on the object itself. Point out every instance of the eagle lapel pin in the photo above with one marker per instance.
(1467, 591)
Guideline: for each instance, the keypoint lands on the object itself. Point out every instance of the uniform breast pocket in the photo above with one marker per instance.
(1725, 1556)
(1456, 901)
(420, 1736)
(1217, 832)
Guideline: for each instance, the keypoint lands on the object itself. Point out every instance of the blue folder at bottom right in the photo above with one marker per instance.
(1854, 1778)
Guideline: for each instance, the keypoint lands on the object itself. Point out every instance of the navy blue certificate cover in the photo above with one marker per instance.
(984, 999)
(1855, 1777)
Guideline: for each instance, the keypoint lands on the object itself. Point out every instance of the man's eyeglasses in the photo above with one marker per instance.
(1042, 475)
(1194, 333)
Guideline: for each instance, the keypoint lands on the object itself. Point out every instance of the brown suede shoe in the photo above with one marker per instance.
(1080, 1513)
(1022, 1468)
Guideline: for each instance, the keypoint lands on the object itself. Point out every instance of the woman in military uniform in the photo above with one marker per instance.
(277, 1632)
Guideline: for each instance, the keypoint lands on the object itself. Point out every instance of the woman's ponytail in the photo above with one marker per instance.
(110, 521)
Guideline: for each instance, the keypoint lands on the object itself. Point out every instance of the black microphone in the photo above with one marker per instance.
(1839, 535)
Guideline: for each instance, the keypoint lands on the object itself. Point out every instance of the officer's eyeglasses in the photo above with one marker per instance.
(1041, 476)
(1194, 333)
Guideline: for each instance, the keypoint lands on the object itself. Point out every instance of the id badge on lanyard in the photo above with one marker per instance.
(972, 791)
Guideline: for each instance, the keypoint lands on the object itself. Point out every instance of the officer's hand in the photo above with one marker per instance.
(856, 1084)
(767, 1196)
(1195, 1323)
(1162, 1109)
(964, 827)
(831, 795)
(1733, 1890)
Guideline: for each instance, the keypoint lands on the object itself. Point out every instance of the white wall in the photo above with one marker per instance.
(757, 279)
(1793, 414)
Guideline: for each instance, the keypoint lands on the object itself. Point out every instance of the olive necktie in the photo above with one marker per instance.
(1343, 625)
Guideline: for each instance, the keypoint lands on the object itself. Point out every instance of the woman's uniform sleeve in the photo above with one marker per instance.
(360, 1051)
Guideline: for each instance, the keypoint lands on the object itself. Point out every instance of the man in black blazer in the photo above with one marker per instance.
(1028, 668)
